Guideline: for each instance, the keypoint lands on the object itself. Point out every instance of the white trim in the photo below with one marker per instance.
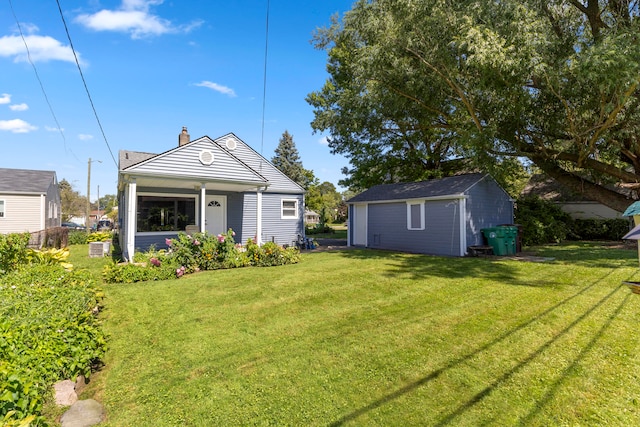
(132, 219)
(182, 195)
(463, 227)
(420, 203)
(296, 209)
(258, 217)
(426, 199)
(203, 207)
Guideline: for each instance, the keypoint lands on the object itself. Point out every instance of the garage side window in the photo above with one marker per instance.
(415, 215)
(1, 208)
(289, 208)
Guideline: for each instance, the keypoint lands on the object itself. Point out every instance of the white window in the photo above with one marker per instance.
(415, 215)
(2, 209)
(289, 209)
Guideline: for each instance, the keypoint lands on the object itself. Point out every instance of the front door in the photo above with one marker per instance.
(216, 214)
(359, 225)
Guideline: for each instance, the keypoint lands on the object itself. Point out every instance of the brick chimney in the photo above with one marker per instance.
(184, 137)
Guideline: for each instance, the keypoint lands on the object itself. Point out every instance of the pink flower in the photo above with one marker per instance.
(233, 233)
(180, 271)
(220, 238)
(168, 242)
(196, 242)
(155, 261)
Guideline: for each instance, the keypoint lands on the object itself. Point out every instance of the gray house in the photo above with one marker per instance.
(207, 185)
(29, 200)
(439, 217)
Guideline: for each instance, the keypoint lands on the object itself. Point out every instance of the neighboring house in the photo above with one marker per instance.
(29, 200)
(439, 217)
(310, 217)
(575, 204)
(205, 185)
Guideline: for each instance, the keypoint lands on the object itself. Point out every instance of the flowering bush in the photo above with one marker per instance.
(200, 251)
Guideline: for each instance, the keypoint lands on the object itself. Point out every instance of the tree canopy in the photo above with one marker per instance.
(287, 160)
(420, 88)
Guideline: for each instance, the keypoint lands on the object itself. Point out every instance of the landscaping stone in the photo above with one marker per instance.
(65, 393)
(81, 382)
(83, 413)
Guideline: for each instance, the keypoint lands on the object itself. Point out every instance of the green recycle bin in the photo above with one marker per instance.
(496, 239)
(510, 238)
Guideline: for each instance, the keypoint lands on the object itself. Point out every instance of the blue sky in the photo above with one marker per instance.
(151, 67)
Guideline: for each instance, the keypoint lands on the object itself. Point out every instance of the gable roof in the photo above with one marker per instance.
(449, 186)
(235, 162)
(26, 181)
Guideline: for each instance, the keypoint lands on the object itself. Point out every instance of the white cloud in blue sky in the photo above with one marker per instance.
(134, 17)
(41, 49)
(217, 87)
(19, 107)
(16, 126)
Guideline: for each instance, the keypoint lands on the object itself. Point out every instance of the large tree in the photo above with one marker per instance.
(287, 160)
(72, 203)
(416, 83)
(324, 199)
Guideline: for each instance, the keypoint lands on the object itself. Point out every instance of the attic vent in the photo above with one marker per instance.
(214, 203)
(206, 157)
(231, 144)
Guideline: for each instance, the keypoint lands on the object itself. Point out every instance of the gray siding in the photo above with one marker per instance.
(276, 229)
(488, 205)
(441, 236)
(52, 206)
(246, 154)
(184, 161)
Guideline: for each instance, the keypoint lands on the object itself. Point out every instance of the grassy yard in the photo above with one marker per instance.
(376, 338)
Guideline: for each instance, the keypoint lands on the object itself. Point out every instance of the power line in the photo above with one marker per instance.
(35, 70)
(86, 88)
(264, 83)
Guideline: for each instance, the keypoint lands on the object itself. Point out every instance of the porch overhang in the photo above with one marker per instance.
(193, 183)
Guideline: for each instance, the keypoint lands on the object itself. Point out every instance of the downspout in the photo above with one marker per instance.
(203, 207)
(131, 220)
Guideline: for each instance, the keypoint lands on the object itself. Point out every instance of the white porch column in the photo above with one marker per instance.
(203, 207)
(259, 216)
(131, 219)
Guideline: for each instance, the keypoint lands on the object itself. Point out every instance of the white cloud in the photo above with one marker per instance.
(16, 126)
(41, 48)
(53, 129)
(218, 88)
(5, 98)
(19, 107)
(85, 137)
(133, 17)
(324, 141)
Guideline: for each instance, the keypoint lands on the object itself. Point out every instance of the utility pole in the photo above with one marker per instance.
(89, 193)
(86, 222)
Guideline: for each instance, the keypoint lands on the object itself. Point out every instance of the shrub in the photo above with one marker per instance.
(542, 222)
(13, 251)
(201, 251)
(100, 236)
(48, 332)
(599, 229)
(77, 237)
(319, 229)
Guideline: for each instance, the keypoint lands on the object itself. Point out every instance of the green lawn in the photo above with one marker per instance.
(376, 338)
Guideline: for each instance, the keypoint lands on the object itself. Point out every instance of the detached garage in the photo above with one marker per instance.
(438, 217)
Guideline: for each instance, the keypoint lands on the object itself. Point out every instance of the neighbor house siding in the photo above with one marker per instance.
(488, 205)
(22, 213)
(441, 236)
(52, 218)
(276, 229)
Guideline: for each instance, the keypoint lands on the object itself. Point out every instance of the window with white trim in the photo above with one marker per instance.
(165, 213)
(415, 215)
(2, 209)
(289, 209)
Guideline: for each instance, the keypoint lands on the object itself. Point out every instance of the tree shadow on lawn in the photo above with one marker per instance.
(500, 269)
(506, 376)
